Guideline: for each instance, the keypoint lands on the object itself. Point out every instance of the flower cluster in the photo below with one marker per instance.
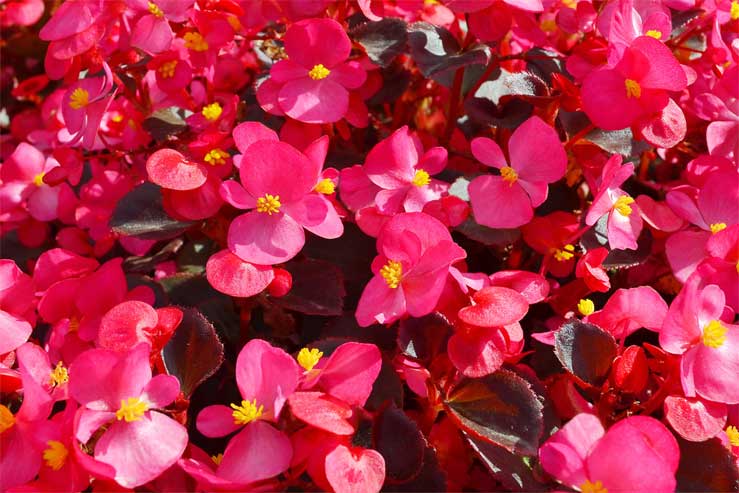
(363, 245)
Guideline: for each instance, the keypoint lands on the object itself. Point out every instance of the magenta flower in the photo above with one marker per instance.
(313, 84)
(537, 158)
(636, 87)
(266, 377)
(403, 172)
(117, 390)
(83, 107)
(151, 31)
(16, 306)
(694, 328)
(273, 231)
(628, 310)
(720, 108)
(624, 221)
(584, 456)
(415, 253)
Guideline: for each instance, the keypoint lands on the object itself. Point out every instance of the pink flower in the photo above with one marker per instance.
(490, 20)
(635, 88)
(266, 377)
(583, 455)
(273, 231)
(628, 310)
(83, 106)
(313, 84)
(695, 328)
(415, 252)
(537, 158)
(229, 274)
(624, 223)
(21, 12)
(720, 266)
(151, 31)
(117, 390)
(17, 301)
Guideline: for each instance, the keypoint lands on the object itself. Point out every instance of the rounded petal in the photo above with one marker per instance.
(355, 471)
(265, 240)
(379, 303)
(233, 193)
(313, 41)
(605, 102)
(350, 75)
(715, 370)
(126, 325)
(246, 133)
(695, 419)
(391, 163)
(322, 411)
(477, 352)
(161, 390)
(264, 168)
(350, 372)
(488, 152)
(536, 152)
(170, 169)
(316, 214)
(497, 204)
(14, 331)
(216, 421)
(665, 71)
(257, 452)
(229, 274)
(718, 198)
(314, 101)
(564, 453)
(494, 306)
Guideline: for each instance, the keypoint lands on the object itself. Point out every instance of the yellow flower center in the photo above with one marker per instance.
(234, 22)
(714, 334)
(565, 253)
(733, 435)
(325, 186)
(597, 487)
(195, 41)
(166, 70)
(654, 33)
(509, 174)
(308, 358)
(38, 180)
(216, 156)
(59, 375)
(716, 227)
(585, 306)
(56, 455)
(392, 272)
(74, 324)
(269, 204)
(7, 420)
(622, 205)
(117, 118)
(734, 10)
(212, 111)
(246, 412)
(79, 99)
(421, 178)
(318, 72)
(217, 458)
(155, 10)
(633, 89)
(132, 409)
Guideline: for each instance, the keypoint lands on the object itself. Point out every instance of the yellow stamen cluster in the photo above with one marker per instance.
(166, 70)
(155, 10)
(246, 412)
(216, 156)
(132, 409)
(325, 186)
(74, 324)
(509, 175)
(714, 334)
(117, 118)
(195, 41)
(565, 253)
(716, 227)
(56, 455)
(654, 33)
(217, 458)
(732, 433)
(421, 178)
(623, 205)
(633, 89)
(392, 272)
(318, 72)
(586, 306)
(308, 358)
(7, 420)
(59, 375)
(38, 180)
(79, 99)
(212, 111)
(597, 487)
(269, 204)
(734, 10)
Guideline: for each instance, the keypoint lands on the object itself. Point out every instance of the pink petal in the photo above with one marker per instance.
(152, 33)
(14, 331)
(229, 274)
(695, 419)
(718, 198)
(125, 325)
(722, 138)
(497, 204)
(287, 70)
(564, 453)
(355, 471)
(684, 251)
(314, 101)
(257, 452)
(477, 352)
(169, 169)
(246, 133)
(623, 231)
(604, 100)
(380, 303)
(265, 240)
(322, 411)
(350, 75)
(233, 193)
(665, 71)
(43, 203)
(715, 369)
(216, 421)
(350, 372)
(317, 215)
(434, 160)
(161, 390)
(264, 168)
(536, 152)
(313, 41)
(658, 214)
(494, 306)
(488, 152)
(391, 163)
(629, 309)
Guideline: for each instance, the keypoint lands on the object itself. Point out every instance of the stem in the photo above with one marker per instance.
(451, 121)
(578, 136)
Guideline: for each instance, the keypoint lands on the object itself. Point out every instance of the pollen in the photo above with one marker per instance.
(734, 10)
(74, 324)
(633, 89)
(308, 358)
(318, 72)
(38, 180)
(7, 420)
(166, 70)
(216, 156)
(269, 204)
(117, 118)
(79, 99)
(392, 272)
(714, 334)
(132, 409)
(597, 487)
(622, 205)
(56, 455)
(325, 186)
(195, 41)
(565, 253)
(586, 306)
(155, 10)
(509, 174)
(654, 33)
(421, 178)
(212, 111)
(246, 412)
(716, 227)
(217, 458)
(732, 433)
(59, 375)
